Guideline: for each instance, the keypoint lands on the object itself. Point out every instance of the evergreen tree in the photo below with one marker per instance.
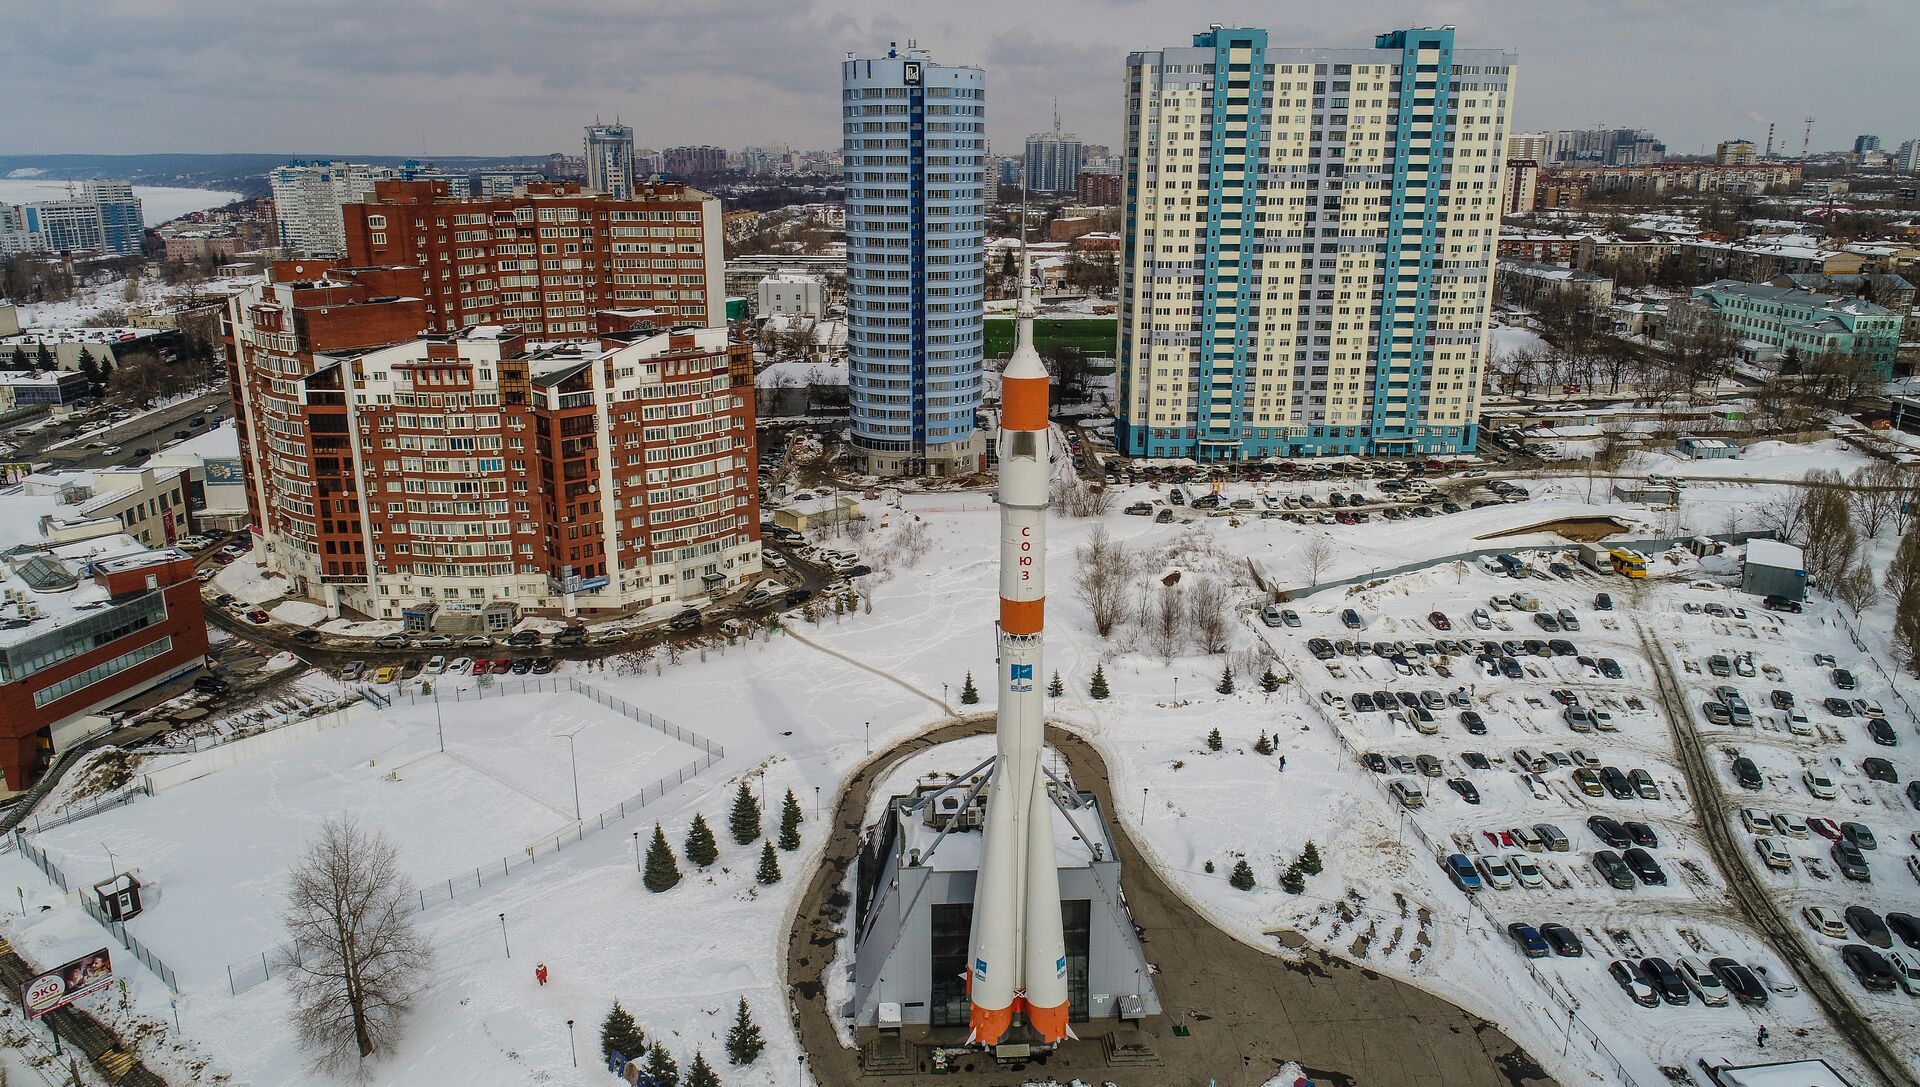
(702, 850)
(1309, 861)
(968, 695)
(619, 1033)
(1292, 881)
(1099, 687)
(701, 1074)
(790, 823)
(1269, 682)
(662, 873)
(743, 1041)
(744, 823)
(90, 368)
(1213, 740)
(20, 360)
(769, 865)
(43, 359)
(1226, 680)
(1263, 745)
(1055, 689)
(1242, 878)
(662, 1067)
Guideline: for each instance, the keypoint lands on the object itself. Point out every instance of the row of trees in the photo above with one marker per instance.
(662, 870)
(619, 1033)
(1169, 614)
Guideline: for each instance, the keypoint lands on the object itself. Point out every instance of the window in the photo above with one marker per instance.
(46, 696)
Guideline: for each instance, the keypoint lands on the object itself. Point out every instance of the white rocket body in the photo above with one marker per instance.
(1019, 953)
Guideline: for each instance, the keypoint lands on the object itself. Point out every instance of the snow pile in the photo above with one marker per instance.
(299, 613)
(246, 579)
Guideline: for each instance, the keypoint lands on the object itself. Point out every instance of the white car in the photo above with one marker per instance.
(1825, 922)
(1603, 720)
(1798, 724)
(1819, 784)
(1906, 970)
(1867, 707)
(1776, 981)
(1704, 983)
(1756, 821)
(437, 665)
(1772, 855)
(611, 634)
(1481, 620)
(1524, 870)
(773, 560)
(1494, 870)
(1789, 824)
(460, 666)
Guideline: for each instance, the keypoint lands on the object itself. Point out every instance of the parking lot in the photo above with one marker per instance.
(1534, 760)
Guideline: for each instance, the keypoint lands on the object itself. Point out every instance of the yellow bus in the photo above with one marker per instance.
(1628, 563)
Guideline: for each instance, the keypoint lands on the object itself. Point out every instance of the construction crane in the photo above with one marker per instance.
(1806, 140)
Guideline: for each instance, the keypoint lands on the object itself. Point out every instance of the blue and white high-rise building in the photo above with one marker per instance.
(914, 149)
(103, 218)
(1309, 245)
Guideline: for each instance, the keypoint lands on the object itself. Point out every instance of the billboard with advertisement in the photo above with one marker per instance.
(12, 473)
(66, 983)
(224, 470)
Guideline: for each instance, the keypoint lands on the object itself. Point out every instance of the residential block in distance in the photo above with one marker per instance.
(1309, 244)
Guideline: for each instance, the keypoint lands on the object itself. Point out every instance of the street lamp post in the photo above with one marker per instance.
(439, 726)
(1143, 805)
(869, 727)
(816, 810)
(113, 869)
(508, 948)
(575, 763)
(571, 1048)
(636, 851)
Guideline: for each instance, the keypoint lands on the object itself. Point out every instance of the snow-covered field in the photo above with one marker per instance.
(795, 716)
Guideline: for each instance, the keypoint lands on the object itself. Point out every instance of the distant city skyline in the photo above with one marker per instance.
(500, 78)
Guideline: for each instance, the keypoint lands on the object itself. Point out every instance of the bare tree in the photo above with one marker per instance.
(1101, 581)
(1855, 586)
(1165, 619)
(1906, 630)
(1207, 610)
(1903, 573)
(1830, 537)
(1315, 557)
(1907, 513)
(1876, 496)
(355, 962)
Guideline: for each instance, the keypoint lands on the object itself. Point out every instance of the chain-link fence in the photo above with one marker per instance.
(127, 940)
(249, 972)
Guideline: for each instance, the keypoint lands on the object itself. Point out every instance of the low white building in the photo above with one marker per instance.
(789, 293)
(216, 479)
(146, 503)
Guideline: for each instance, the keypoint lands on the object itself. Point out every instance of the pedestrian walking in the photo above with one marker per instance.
(1762, 1037)
(540, 973)
(1283, 764)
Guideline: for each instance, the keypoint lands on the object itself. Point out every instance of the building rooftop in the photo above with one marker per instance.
(44, 588)
(1773, 553)
(1557, 272)
(1794, 296)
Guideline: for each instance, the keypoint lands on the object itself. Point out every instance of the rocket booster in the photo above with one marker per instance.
(1019, 958)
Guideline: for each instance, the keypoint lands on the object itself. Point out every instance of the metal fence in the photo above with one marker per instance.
(1567, 1004)
(1651, 546)
(1873, 658)
(127, 939)
(249, 972)
(71, 815)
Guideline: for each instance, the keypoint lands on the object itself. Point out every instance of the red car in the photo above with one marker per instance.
(1440, 621)
(480, 666)
(501, 666)
(256, 616)
(1825, 828)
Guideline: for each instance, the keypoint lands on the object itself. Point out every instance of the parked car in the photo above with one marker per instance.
(1528, 939)
(437, 641)
(1824, 921)
(1843, 679)
(1860, 835)
(1739, 981)
(1645, 867)
(391, 641)
(1869, 967)
(1634, 981)
(1462, 872)
(1819, 784)
(1704, 983)
(353, 670)
(1848, 858)
(1772, 855)
(1465, 788)
(1747, 773)
(1868, 925)
(1613, 869)
(1563, 940)
(1494, 871)
(1666, 981)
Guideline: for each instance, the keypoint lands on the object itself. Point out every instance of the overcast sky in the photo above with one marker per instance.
(426, 77)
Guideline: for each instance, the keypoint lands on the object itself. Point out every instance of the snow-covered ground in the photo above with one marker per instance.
(111, 294)
(795, 716)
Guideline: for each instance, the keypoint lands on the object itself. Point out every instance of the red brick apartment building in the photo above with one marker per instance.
(546, 259)
(82, 627)
(457, 477)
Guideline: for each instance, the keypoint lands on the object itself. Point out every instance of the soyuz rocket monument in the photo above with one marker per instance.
(1018, 954)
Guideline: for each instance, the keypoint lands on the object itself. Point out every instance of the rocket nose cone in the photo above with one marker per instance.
(1025, 362)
